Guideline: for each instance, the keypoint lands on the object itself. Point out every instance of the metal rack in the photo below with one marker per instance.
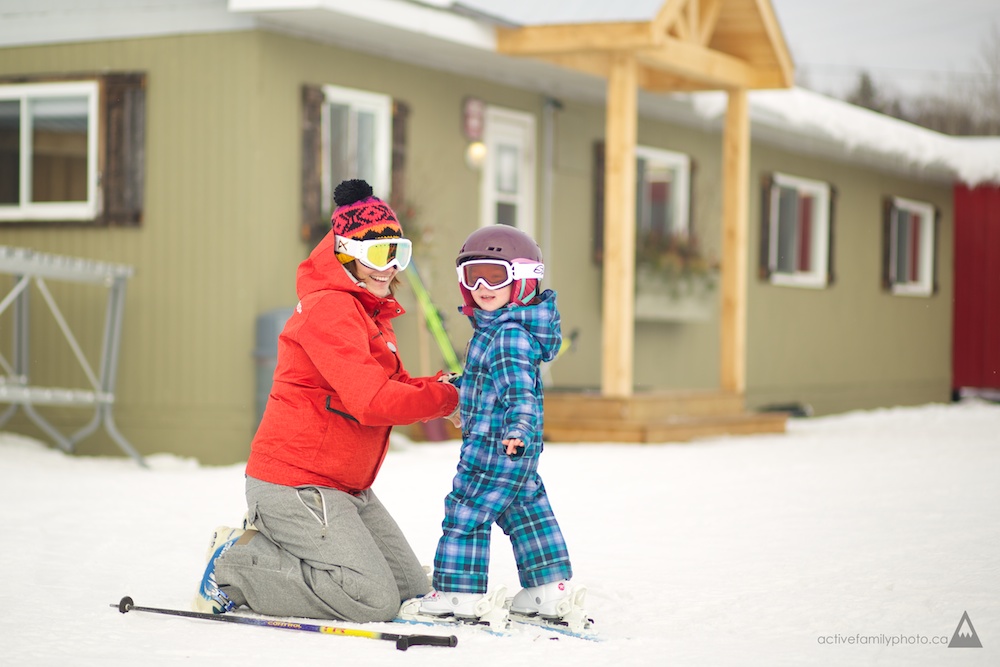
(29, 267)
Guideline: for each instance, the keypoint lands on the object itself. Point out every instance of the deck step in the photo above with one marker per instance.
(650, 417)
(681, 428)
(652, 406)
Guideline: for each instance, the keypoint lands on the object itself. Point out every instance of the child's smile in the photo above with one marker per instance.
(491, 299)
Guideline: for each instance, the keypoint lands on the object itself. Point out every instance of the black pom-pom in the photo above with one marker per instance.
(351, 191)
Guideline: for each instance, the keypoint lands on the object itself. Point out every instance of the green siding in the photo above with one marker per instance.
(851, 345)
(219, 244)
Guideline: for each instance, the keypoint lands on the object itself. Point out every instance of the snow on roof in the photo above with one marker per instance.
(788, 116)
(798, 120)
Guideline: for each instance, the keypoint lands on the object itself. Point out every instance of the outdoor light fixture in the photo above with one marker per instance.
(475, 154)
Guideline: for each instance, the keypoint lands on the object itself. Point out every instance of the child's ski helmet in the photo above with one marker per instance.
(506, 243)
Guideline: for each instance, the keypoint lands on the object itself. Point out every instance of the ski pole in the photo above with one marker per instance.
(403, 642)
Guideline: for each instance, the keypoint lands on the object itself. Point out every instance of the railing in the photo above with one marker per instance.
(32, 268)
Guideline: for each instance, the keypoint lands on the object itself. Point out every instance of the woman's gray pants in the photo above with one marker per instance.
(320, 553)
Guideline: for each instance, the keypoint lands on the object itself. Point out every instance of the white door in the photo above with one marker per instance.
(508, 181)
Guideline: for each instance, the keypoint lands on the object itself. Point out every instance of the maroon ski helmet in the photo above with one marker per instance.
(499, 242)
(509, 244)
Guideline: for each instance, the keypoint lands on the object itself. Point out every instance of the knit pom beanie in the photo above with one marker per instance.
(362, 216)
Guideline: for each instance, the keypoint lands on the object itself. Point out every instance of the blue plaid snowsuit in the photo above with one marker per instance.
(500, 397)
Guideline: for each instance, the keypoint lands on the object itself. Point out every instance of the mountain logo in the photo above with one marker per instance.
(965, 635)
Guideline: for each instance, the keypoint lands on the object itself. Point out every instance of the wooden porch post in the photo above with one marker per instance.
(735, 202)
(618, 325)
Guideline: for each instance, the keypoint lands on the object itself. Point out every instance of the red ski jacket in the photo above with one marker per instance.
(339, 385)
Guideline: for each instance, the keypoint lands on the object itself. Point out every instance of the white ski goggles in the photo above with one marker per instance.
(378, 254)
(496, 273)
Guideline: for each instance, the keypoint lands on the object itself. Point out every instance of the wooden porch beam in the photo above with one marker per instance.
(668, 15)
(692, 19)
(735, 201)
(710, 11)
(618, 321)
(656, 81)
(777, 41)
(697, 62)
(543, 40)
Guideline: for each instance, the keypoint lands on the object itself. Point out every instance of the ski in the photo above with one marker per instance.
(453, 622)
(493, 616)
(511, 627)
(582, 630)
(500, 620)
(403, 642)
(433, 318)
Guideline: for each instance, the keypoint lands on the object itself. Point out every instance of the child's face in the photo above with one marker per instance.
(491, 299)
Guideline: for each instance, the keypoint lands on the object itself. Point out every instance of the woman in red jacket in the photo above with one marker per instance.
(317, 543)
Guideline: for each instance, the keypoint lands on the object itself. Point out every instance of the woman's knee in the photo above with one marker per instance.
(355, 597)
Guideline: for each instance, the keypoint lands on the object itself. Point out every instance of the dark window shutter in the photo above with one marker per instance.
(313, 225)
(763, 264)
(831, 238)
(123, 169)
(598, 249)
(934, 250)
(887, 210)
(400, 123)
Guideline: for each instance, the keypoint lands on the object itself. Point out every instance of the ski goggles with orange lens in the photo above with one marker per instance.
(378, 254)
(496, 273)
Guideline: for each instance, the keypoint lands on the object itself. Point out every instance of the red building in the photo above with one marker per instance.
(976, 336)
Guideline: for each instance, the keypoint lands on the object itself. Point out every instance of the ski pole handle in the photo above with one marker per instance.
(404, 642)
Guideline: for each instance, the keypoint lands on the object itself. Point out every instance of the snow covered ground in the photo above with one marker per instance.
(852, 540)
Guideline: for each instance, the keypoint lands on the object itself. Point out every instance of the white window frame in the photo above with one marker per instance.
(680, 195)
(924, 285)
(25, 209)
(381, 107)
(817, 277)
(506, 124)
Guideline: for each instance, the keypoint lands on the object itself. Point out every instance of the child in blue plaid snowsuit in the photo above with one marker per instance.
(500, 402)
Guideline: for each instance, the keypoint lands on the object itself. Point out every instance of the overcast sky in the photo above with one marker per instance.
(911, 45)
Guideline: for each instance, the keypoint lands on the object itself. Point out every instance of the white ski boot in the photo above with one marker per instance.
(444, 607)
(556, 604)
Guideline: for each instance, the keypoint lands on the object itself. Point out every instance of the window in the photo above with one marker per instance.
(908, 247)
(72, 150)
(48, 151)
(796, 232)
(346, 134)
(357, 140)
(662, 193)
(508, 178)
(663, 203)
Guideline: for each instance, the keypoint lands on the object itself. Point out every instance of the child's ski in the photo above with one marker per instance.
(513, 624)
(500, 620)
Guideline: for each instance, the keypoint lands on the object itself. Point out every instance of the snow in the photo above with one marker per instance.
(818, 547)
(801, 119)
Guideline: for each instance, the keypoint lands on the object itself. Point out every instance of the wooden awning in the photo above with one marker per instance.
(690, 45)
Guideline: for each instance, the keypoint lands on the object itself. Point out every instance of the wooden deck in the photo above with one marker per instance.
(654, 417)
